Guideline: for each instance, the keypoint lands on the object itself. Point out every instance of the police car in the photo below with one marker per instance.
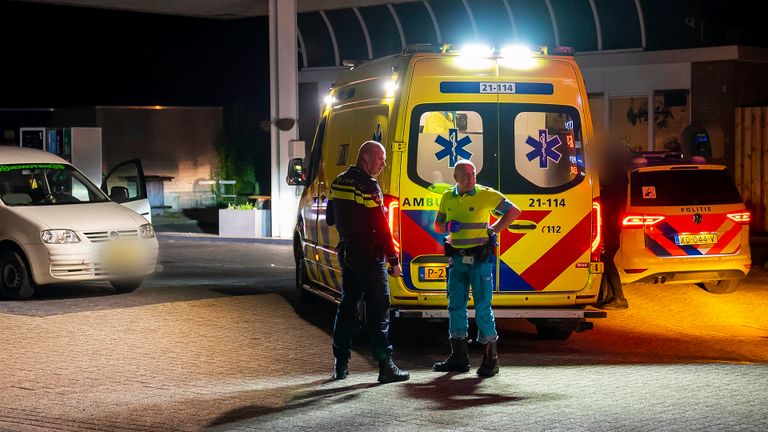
(684, 223)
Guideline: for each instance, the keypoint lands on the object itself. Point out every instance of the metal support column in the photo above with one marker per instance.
(283, 104)
(651, 120)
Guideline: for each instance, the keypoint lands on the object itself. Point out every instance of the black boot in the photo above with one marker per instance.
(490, 365)
(340, 369)
(389, 373)
(459, 359)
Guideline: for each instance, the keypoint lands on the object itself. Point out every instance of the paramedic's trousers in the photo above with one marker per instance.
(461, 276)
(363, 275)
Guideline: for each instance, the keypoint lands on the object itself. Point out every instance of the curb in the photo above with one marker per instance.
(212, 238)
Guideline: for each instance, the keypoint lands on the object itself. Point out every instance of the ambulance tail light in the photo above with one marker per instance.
(597, 230)
(393, 217)
(639, 221)
(740, 217)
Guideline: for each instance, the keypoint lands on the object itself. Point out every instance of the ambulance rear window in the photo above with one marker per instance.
(682, 187)
(443, 134)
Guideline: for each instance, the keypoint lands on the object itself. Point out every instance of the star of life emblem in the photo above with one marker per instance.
(544, 148)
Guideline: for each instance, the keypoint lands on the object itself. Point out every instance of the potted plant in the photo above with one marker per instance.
(248, 220)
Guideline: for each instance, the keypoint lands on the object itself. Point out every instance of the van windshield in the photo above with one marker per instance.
(47, 184)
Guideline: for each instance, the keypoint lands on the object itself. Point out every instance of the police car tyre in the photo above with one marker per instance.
(15, 280)
(725, 286)
(126, 285)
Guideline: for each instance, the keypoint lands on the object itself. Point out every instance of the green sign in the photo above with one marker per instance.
(6, 168)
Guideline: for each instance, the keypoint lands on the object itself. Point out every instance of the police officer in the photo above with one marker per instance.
(464, 213)
(613, 195)
(365, 248)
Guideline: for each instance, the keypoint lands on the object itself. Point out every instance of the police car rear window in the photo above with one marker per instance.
(682, 187)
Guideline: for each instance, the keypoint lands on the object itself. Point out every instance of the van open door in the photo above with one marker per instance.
(125, 184)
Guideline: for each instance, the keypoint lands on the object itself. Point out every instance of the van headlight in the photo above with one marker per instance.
(147, 231)
(59, 236)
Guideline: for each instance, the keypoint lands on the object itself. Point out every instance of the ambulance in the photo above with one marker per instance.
(522, 118)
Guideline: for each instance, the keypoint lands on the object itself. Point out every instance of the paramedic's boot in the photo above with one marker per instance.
(459, 359)
(490, 365)
(340, 369)
(389, 373)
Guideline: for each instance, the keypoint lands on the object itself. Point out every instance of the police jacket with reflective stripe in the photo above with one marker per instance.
(356, 209)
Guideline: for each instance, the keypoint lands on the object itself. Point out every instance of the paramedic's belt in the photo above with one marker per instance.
(478, 252)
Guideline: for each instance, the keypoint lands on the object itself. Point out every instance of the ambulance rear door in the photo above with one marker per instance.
(542, 170)
(449, 119)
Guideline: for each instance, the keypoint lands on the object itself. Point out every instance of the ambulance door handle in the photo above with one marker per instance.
(522, 225)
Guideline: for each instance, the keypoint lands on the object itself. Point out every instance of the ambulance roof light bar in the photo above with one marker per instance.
(447, 48)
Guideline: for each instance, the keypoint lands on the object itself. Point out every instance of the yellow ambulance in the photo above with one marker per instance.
(522, 118)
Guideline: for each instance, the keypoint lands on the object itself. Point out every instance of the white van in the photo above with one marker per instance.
(56, 226)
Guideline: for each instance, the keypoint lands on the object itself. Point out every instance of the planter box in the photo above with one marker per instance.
(244, 223)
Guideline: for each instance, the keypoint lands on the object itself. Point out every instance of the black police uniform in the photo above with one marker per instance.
(356, 209)
(613, 195)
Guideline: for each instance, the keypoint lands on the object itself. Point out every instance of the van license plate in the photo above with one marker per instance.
(121, 255)
(695, 239)
(432, 273)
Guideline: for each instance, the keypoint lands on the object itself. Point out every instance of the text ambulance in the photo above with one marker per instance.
(522, 118)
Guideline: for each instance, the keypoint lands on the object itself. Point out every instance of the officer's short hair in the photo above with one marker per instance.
(461, 162)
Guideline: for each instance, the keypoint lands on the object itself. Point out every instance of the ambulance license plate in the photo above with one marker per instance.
(433, 273)
(695, 239)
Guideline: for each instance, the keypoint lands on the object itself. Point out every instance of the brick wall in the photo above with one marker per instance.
(176, 142)
(717, 88)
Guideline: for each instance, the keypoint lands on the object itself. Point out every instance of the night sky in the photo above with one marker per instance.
(56, 56)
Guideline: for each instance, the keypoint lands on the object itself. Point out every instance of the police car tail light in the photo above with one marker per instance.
(597, 230)
(639, 221)
(393, 217)
(740, 217)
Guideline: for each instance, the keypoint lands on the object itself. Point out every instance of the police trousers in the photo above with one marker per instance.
(363, 276)
(478, 275)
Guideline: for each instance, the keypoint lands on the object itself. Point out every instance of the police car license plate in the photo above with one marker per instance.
(695, 239)
(433, 273)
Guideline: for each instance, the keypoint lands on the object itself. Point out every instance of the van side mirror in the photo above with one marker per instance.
(296, 174)
(119, 194)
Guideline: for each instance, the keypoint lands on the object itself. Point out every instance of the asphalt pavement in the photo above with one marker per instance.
(214, 342)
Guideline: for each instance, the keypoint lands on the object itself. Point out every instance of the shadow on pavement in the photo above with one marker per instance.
(304, 399)
(448, 393)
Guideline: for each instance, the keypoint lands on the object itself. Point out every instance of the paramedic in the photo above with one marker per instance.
(464, 214)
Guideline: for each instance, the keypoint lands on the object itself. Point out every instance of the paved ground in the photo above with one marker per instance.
(212, 342)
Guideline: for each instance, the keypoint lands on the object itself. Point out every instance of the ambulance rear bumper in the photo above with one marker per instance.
(506, 313)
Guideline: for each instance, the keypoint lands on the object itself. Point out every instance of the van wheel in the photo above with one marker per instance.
(15, 280)
(126, 286)
(725, 286)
